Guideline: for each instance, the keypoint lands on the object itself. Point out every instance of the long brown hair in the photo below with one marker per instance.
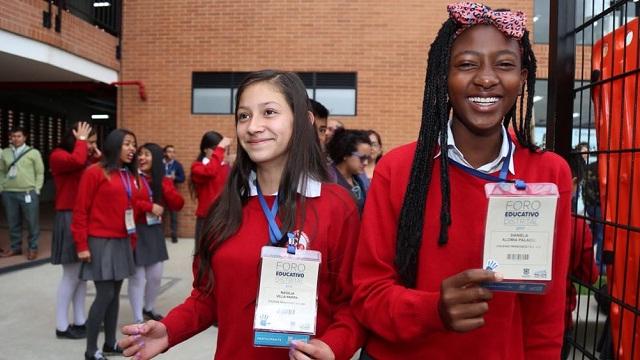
(304, 161)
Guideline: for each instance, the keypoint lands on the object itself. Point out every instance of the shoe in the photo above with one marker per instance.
(11, 252)
(80, 329)
(174, 239)
(97, 356)
(70, 333)
(150, 315)
(112, 350)
(32, 254)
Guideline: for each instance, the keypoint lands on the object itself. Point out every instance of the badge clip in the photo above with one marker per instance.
(291, 246)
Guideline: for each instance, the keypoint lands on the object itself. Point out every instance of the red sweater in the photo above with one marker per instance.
(209, 180)
(404, 322)
(67, 168)
(171, 199)
(582, 264)
(331, 224)
(100, 206)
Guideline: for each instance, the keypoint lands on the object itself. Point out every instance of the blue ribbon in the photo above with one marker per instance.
(275, 234)
(146, 184)
(520, 184)
(127, 184)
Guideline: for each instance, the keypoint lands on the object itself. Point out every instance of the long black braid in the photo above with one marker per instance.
(435, 116)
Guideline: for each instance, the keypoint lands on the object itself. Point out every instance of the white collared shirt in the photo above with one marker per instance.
(456, 155)
(312, 190)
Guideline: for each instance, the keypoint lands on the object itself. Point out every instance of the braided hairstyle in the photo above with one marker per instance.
(435, 116)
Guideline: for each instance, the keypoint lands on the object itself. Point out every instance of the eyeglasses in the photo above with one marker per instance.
(363, 157)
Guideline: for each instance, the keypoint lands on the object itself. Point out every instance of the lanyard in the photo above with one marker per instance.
(127, 184)
(520, 185)
(146, 184)
(275, 234)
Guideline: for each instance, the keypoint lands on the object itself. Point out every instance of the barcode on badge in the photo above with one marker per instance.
(517, 256)
(286, 311)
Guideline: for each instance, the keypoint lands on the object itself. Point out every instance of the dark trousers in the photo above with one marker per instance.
(173, 223)
(18, 210)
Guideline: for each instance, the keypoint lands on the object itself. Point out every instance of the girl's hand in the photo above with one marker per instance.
(315, 349)
(144, 341)
(84, 129)
(157, 210)
(463, 301)
(85, 256)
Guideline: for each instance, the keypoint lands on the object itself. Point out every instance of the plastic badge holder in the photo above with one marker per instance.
(519, 235)
(287, 303)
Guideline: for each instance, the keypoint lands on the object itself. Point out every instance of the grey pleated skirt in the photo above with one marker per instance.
(63, 249)
(111, 259)
(151, 247)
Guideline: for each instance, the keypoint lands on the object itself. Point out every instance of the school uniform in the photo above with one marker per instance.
(331, 226)
(150, 245)
(405, 323)
(66, 168)
(99, 224)
(208, 176)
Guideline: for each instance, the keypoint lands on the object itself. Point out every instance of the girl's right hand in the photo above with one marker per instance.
(84, 256)
(144, 341)
(463, 300)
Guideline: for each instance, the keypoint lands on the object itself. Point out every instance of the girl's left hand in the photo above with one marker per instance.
(314, 349)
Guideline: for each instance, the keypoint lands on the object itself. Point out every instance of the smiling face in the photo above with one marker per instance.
(264, 124)
(145, 160)
(485, 78)
(128, 149)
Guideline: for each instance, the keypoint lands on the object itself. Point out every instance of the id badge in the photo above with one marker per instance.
(153, 219)
(129, 221)
(519, 235)
(27, 198)
(13, 171)
(286, 306)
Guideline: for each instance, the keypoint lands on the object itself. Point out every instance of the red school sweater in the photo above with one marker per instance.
(331, 227)
(209, 180)
(67, 169)
(171, 199)
(404, 322)
(100, 206)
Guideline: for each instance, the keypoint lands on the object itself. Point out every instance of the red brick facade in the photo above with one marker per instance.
(24, 17)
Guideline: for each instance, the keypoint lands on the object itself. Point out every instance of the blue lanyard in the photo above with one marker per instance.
(275, 234)
(146, 184)
(127, 184)
(520, 185)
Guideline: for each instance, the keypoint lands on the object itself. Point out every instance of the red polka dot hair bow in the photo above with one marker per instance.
(468, 14)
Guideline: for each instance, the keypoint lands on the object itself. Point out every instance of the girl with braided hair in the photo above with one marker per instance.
(418, 271)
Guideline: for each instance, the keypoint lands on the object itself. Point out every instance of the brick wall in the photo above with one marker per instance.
(386, 43)
(24, 17)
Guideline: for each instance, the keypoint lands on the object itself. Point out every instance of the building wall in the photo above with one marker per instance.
(24, 17)
(386, 43)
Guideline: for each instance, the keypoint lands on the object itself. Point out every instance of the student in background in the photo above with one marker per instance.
(320, 114)
(103, 228)
(208, 174)
(156, 195)
(21, 179)
(350, 151)
(376, 153)
(173, 170)
(582, 264)
(68, 161)
(279, 159)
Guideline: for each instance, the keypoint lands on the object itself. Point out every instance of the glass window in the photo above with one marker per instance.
(215, 92)
(338, 101)
(211, 101)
